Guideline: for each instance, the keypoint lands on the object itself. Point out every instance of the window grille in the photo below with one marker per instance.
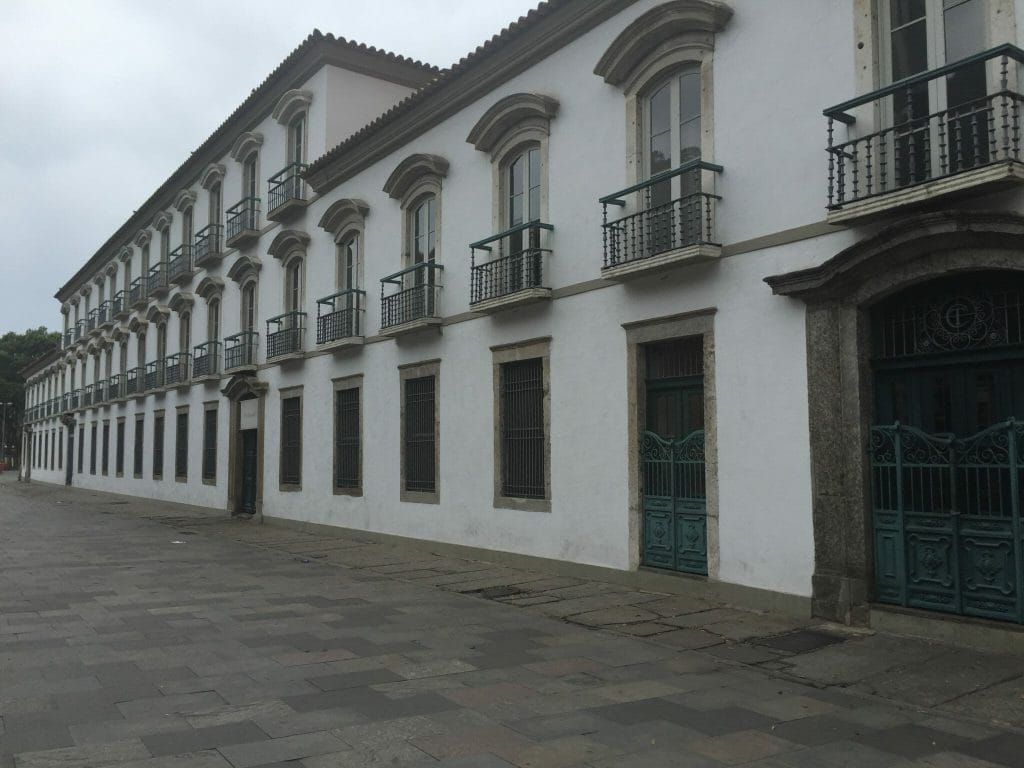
(210, 445)
(291, 441)
(158, 447)
(522, 429)
(346, 439)
(181, 447)
(420, 435)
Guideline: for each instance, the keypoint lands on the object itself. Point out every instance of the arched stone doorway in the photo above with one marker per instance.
(841, 296)
(247, 396)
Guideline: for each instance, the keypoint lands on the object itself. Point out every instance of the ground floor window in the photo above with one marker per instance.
(106, 448)
(419, 433)
(347, 440)
(181, 446)
(291, 442)
(46, 450)
(522, 429)
(158, 446)
(81, 449)
(92, 449)
(60, 449)
(140, 431)
(210, 444)
(119, 456)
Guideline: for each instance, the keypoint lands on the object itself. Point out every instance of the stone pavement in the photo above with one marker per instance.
(140, 633)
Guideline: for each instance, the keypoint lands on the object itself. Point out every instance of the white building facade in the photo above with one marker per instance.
(598, 294)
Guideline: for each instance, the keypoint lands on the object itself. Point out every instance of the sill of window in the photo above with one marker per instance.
(976, 181)
(119, 475)
(413, 326)
(158, 477)
(353, 492)
(181, 479)
(287, 210)
(522, 505)
(691, 254)
(420, 497)
(207, 481)
(339, 344)
(511, 300)
(289, 488)
(243, 238)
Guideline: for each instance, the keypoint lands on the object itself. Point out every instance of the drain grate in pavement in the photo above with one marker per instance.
(800, 641)
(495, 593)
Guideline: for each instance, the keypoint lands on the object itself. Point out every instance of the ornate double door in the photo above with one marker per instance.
(947, 448)
(672, 460)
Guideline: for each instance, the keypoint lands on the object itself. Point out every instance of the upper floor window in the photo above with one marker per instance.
(161, 341)
(165, 243)
(349, 262)
(213, 320)
(293, 285)
(297, 139)
(216, 204)
(250, 175)
(249, 306)
(185, 332)
(672, 123)
(423, 231)
(186, 227)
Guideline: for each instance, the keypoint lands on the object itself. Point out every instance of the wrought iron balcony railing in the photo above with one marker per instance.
(137, 292)
(285, 334)
(177, 369)
(99, 392)
(76, 397)
(156, 283)
(285, 186)
(417, 297)
(81, 329)
(340, 316)
(115, 387)
(135, 381)
(240, 349)
(179, 268)
(208, 244)
(518, 264)
(671, 212)
(119, 304)
(243, 219)
(86, 401)
(155, 375)
(65, 402)
(918, 143)
(91, 323)
(206, 359)
(69, 337)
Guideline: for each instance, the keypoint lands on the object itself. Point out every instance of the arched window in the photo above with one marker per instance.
(123, 361)
(186, 227)
(249, 306)
(250, 175)
(216, 204)
(672, 131)
(140, 352)
(185, 332)
(165, 243)
(293, 285)
(213, 320)
(297, 139)
(161, 341)
(349, 262)
(423, 231)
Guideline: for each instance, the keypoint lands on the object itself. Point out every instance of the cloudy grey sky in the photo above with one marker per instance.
(100, 100)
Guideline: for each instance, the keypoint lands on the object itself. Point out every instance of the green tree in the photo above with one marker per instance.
(16, 351)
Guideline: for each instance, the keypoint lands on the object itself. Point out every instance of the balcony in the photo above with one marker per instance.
(86, 400)
(285, 334)
(286, 194)
(671, 224)
(69, 337)
(901, 150)
(243, 222)
(91, 324)
(177, 369)
(206, 361)
(119, 305)
(514, 274)
(339, 318)
(156, 283)
(99, 392)
(65, 402)
(137, 294)
(115, 388)
(240, 350)
(81, 329)
(179, 269)
(208, 248)
(415, 305)
(135, 382)
(155, 372)
(100, 317)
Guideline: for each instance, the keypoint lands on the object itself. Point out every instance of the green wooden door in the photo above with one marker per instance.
(672, 460)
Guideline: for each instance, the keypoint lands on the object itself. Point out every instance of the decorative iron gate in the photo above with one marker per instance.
(674, 502)
(947, 524)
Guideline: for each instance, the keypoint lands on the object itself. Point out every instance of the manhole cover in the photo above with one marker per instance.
(493, 593)
(801, 641)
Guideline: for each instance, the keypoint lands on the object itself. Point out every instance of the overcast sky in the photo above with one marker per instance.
(100, 100)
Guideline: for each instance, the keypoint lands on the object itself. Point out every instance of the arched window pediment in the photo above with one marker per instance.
(111, 269)
(210, 288)
(413, 169)
(245, 267)
(509, 115)
(85, 290)
(344, 215)
(162, 220)
(186, 198)
(288, 240)
(245, 144)
(291, 104)
(142, 238)
(181, 302)
(681, 23)
(119, 332)
(158, 313)
(138, 325)
(213, 174)
(65, 308)
(100, 278)
(125, 254)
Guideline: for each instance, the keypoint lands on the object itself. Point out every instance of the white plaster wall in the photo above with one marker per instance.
(354, 100)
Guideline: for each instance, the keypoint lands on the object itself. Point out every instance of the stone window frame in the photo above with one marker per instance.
(120, 432)
(501, 354)
(414, 180)
(638, 335)
(208, 406)
(105, 448)
(139, 446)
(178, 411)
(159, 416)
(346, 219)
(93, 446)
(288, 393)
(343, 383)
(418, 371)
(81, 449)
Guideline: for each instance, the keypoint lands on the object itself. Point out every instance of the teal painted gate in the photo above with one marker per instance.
(674, 503)
(947, 524)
